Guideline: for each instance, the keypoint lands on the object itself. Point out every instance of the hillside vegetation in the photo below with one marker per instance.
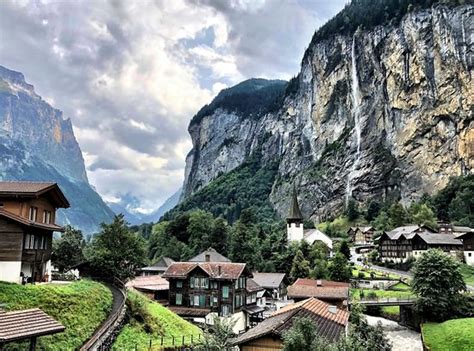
(452, 335)
(149, 321)
(80, 307)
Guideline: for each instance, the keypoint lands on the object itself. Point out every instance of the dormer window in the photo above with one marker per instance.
(47, 217)
(33, 213)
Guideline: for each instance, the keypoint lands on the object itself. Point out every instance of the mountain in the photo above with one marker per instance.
(381, 109)
(136, 218)
(38, 144)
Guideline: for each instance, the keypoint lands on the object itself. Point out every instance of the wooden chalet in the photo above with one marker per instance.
(334, 293)
(203, 290)
(157, 268)
(27, 223)
(331, 323)
(467, 240)
(361, 235)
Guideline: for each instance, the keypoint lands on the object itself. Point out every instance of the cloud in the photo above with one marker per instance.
(131, 74)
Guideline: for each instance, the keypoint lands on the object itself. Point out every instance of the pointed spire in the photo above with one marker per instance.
(295, 212)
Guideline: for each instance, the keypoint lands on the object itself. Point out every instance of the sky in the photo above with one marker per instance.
(131, 74)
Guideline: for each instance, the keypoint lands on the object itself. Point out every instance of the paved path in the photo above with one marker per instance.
(402, 338)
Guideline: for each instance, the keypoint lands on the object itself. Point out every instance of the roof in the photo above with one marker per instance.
(408, 229)
(252, 286)
(362, 229)
(462, 229)
(215, 270)
(268, 280)
(295, 212)
(464, 235)
(304, 288)
(190, 311)
(152, 283)
(330, 325)
(312, 235)
(18, 325)
(33, 189)
(25, 221)
(214, 256)
(159, 265)
(439, 239)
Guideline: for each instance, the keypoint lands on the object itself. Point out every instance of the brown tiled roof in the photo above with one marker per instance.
(18, 325)
(153, 283)
(330, 325)
(189, 311)
(215, 270)
(304, 288)
(27, 222)
(31, 189)
(252, 286)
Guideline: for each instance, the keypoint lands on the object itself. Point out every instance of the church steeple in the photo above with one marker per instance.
(294, 220)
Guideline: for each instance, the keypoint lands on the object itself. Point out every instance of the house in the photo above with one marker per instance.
(412, 241)
(255, 302)
(274, 287)
(154, 286)
(27, 223)
(157, 268)
(210, 255)
(202, 290)
(444, 227)
(361, 235)
(295, 227)
(467, 240)
(334, 293)
(331, 323)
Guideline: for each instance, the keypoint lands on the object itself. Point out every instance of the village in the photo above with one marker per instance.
(209, 290)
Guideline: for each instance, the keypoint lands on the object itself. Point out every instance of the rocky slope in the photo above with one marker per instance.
(37, 143)
(385, 112)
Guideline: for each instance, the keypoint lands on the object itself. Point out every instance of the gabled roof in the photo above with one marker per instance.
(462, 229)
(330, 325)
(158, 266)
(215, 270)
(312, 235)
(408, 229)
(268, 280)
(151, 283)
(362, 229)
(252, 286)
(32, 190)
(321, 289)
(439, 238)
(20, 325)
(213, 255)
(294, 212)
(26, 222)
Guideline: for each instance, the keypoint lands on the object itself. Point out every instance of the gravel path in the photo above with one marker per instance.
(402, 338)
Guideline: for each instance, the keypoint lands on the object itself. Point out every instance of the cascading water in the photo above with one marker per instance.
(357, 123)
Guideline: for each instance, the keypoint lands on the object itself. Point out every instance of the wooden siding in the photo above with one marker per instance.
(22, 208)
(265, 343)
(11, 241)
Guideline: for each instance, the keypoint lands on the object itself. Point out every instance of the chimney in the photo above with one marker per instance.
(332, 309)
(319, 282)
(219, 270)
(208, 258)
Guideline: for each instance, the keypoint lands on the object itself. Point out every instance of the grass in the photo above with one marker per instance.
(377, 274)
(453, 335)
(355, 293)
(149, 321)
(400, 287)
(80, 307)
(468, 274)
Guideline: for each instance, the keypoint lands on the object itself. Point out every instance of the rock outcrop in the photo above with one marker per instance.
(381, 113)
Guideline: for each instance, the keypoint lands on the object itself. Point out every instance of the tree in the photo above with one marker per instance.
(303, 336)
(339, 270)
(199, 229)
(422, 214)
(116, 251)
(382, 221)
(218, 336)
(68, 250)
(300, 266)
(352, 211)
(344, 249)
(373, 210)
(219, 235)
(398, 215)
(438, 282)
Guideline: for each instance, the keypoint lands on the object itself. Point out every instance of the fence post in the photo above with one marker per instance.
(149, 347)
(162, 340)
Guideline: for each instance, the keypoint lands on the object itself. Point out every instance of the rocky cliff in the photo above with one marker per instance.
(375, 113)
(37, 143)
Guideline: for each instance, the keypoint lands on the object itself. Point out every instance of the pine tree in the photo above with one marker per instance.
(300, 267)
(339, 269)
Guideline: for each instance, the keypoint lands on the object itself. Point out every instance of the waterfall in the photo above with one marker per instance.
(356, 99)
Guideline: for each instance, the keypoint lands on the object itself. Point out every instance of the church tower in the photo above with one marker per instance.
(294, 226)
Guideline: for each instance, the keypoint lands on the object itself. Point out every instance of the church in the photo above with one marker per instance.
(295, 227)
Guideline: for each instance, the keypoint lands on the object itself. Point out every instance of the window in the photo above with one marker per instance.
(202, 300)
(238, 300)
(179, 299)
(191, 282)
(225, 310)
(196, 300)
(33, 213)
(47, 217)
(225, 292)
(213, 285)
(213, 301)
(469, 254)
(205, 283)
(179, 283)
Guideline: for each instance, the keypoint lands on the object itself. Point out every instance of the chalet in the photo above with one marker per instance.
(444, 227)
(361, 235)
(274, 288)
(202, 290)
(334, 293)
(154, 286)
(412, 241)
(27, 223)
(331, 323)
(295, 227)
(209, 255)
(157, 268)
(468, 246)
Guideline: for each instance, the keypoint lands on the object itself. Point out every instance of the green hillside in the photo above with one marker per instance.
(149, 322)
(453, 335)
(80, 307)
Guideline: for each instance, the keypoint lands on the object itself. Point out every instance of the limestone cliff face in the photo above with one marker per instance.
(386, 112)
(38, 144)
